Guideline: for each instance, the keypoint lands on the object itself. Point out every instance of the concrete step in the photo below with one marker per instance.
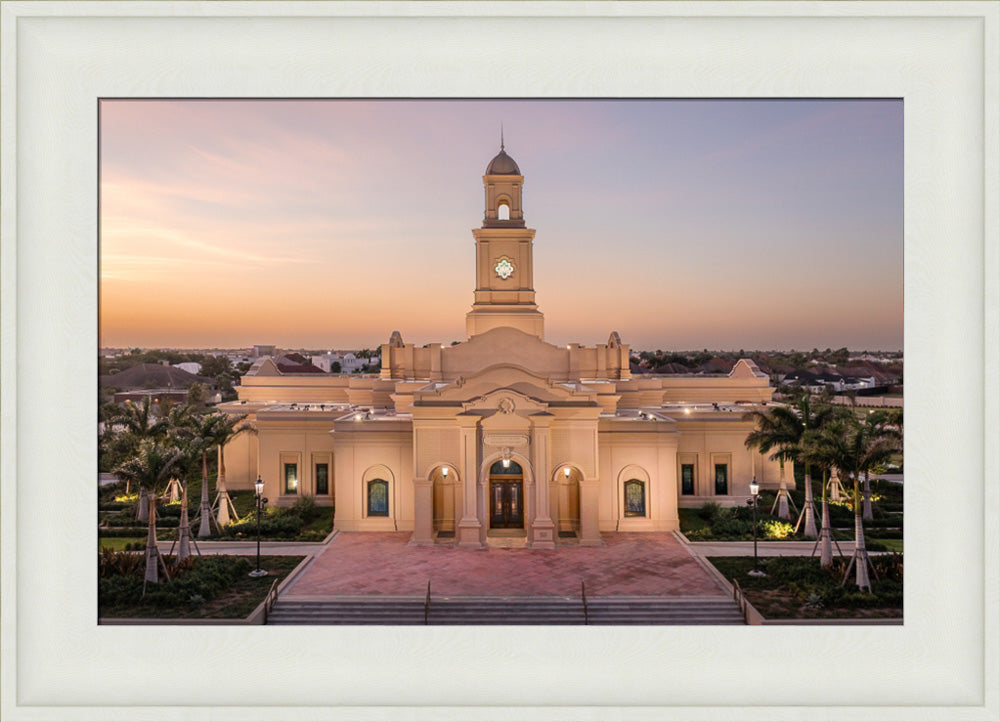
(509, 610)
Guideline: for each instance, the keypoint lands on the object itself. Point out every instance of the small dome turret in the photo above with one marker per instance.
(502, 164)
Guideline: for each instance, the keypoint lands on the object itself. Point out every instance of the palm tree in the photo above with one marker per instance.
(855, 447)
(203, 430)
(813, 419)
(777, 428)
(139, 423)
(154, 463)
(817, 445)
(880, 425)
(226, 427)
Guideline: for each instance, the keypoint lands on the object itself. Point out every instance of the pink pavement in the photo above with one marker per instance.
(383, 564)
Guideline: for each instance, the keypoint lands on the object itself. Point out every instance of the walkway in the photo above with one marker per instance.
(383, 564)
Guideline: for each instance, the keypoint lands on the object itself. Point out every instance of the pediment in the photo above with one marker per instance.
(486, 387)
(505, 345)
(506, 402)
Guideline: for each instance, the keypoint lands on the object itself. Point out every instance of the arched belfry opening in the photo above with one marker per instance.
(503, 183)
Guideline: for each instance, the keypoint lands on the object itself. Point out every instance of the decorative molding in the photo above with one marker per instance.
(501, 440)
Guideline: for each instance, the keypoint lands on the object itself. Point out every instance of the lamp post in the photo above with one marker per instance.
(752, 502)
(261, 501)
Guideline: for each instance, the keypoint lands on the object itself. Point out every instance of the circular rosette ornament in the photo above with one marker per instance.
(504, 269)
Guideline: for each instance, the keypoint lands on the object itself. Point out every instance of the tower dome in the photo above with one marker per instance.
(502, 164)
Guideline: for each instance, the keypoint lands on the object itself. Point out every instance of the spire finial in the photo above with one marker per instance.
(501, 136)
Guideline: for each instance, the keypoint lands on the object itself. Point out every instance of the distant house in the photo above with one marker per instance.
(293, 363)
(160, 382)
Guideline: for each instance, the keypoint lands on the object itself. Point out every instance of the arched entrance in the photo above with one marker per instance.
(444, 483)
(506, 495)
(567, 500)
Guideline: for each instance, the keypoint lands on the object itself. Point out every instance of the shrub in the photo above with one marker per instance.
(710, 511)
(305, 507)
(775, 529)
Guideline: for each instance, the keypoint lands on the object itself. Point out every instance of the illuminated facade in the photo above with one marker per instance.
(503, 435)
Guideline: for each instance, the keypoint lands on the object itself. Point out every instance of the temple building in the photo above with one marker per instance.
(503, 435)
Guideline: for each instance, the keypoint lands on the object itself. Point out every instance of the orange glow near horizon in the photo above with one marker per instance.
(330, 224)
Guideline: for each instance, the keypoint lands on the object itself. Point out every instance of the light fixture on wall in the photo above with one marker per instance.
(506, 459)
(444, 471)
(566, 471)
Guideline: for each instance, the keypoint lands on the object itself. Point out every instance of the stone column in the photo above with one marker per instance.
(590, 535)
(542, 534)
(423, 512)
(468, 534)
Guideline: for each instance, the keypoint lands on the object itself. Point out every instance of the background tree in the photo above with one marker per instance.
(128, 428)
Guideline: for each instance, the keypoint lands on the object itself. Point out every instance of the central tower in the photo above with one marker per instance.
(505, 293)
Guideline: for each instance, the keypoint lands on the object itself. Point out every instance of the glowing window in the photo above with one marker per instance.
(635, 498)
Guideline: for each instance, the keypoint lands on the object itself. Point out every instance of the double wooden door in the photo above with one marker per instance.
(507, 503)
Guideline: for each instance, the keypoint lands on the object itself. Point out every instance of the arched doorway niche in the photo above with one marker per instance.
(446, 491)
(564, 499)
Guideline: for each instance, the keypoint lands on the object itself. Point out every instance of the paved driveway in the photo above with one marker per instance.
(383, 564)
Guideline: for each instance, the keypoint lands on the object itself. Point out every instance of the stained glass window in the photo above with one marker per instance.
(291, 478)
(721, 479)
(322, 478)
(635, 498)
(378, 498)
(504, 269)
(687, 479)
(499, 468)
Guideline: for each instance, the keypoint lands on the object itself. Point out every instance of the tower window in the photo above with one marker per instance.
(503, 212)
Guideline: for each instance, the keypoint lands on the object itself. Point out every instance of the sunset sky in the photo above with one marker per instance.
(328, 224)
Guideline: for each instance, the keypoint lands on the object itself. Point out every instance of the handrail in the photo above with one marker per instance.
(741, 600)
(583, 593)
(271, 599)
(427, 602)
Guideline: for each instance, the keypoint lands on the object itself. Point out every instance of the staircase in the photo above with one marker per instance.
(506, 610)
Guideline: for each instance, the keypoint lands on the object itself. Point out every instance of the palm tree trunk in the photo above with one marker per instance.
(834, 485)
(782, 500)
(222, 496)
(860, 556)
(826, 533)
(205, 510)
(868, 516)
(142, 512)
(152, 553)
(184, 528)
(809, 531)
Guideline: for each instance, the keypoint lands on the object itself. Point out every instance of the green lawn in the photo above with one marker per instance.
(118, 542)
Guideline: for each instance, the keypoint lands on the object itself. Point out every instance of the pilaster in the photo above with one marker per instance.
(423, 512)
(542, 534)
(590, 535)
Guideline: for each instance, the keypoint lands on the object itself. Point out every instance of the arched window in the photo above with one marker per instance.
(378, 497)
(635, 498)
(512, 468)
(503, 212)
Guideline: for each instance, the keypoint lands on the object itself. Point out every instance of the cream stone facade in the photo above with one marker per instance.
(503, 435)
